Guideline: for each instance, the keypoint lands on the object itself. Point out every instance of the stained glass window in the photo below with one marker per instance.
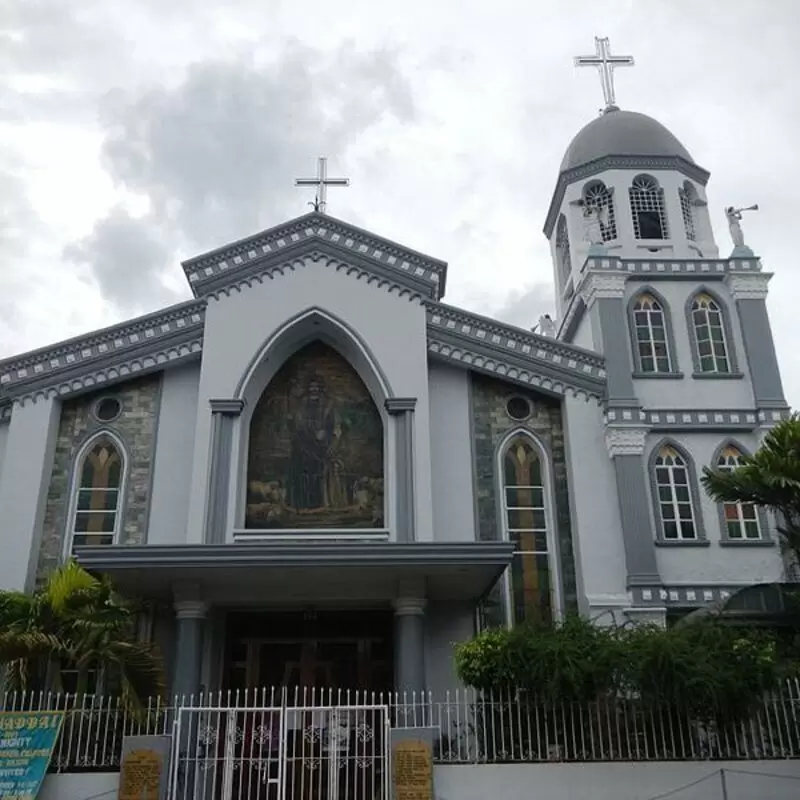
(741, 519)
(709, 335)
(562, 250)
(674, 495)
(650, 332)
(98, 496)
(525, 508)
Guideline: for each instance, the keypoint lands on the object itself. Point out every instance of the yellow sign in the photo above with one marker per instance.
(140, 777)
(412, 771)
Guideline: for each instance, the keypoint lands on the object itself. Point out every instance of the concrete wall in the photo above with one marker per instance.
(451, 454)
(629, 781)
(445, 626)
(238, 328)
(690, 392)
(172, 469)
(3, 439)
(713, 563)
(80, 786)
(595, 510)
(30, 445)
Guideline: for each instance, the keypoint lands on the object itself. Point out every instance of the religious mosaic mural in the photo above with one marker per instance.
(316, 447)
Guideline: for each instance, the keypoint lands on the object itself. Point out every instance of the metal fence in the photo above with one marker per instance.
(469, 727)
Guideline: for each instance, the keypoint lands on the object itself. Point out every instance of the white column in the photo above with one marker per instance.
(190, 618)
(24, 482)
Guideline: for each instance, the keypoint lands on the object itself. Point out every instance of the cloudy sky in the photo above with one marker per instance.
(136, 133)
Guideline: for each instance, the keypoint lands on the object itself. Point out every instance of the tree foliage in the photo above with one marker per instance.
(76, 622)
(704, 668)
(769, 478)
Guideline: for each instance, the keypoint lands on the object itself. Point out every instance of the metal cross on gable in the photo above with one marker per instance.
(605, 63)
(322, 182)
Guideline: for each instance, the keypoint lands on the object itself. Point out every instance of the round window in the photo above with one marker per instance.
(107, 409)
(518, 408)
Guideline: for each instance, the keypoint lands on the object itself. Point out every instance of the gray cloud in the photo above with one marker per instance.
(523, 307)
(128, 258)
(216, 156)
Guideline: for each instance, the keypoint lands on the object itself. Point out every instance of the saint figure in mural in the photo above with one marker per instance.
(316, 466)
(315, 457)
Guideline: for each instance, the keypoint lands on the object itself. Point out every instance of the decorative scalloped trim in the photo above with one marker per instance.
(204, 268)
(131, 368)
(316, 256)
(482, 362)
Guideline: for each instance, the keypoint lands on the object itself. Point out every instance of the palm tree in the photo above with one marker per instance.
(770, 478)
(77, 622)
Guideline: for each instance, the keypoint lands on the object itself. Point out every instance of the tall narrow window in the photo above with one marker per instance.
(709, 335)
(674, 495)
(562, 250)
(598, 195)
(647, 208)
(688, 196)
(97, 499)
(741, 519)
(524, 505)
(650, 332)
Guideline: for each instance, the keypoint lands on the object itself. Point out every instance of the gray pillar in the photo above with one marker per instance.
(190, 618)
(759, 347)
(613, 323)
(604, 295)
(402, 409)
(626, 447)
(749, 290)
(223, 414)
(409, 644)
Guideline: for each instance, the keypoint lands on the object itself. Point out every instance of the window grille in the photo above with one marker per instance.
(709, 335)
(562, 250)
(687, 196)
(674, 496)
(597, 195)
(741, 519)
(647, 209)
(524, 505)
(650, 332)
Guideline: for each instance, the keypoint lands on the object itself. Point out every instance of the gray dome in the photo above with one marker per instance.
(621, 133)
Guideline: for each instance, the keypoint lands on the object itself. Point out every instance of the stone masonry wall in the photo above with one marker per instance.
(136, 427)
(491, 423)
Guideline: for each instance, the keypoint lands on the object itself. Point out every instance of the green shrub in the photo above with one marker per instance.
(706, 669)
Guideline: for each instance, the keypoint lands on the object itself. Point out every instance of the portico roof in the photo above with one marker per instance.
(303, 571)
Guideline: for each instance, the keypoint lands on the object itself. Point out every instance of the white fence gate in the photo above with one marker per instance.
(281, 753)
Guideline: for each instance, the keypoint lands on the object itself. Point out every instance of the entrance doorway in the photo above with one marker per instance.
(309, 649)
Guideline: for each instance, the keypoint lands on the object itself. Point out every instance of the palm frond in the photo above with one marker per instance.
(29, 646)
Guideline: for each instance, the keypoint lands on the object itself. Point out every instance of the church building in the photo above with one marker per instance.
(317, 472)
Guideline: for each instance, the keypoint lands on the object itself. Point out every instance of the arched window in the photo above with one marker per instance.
(650, 335)
(562, 250)
(740, 519)
(97, 494)
(525, 511)
(647, 208)
(597, 195)
(674, 495)
(687, 195)
(710, 341)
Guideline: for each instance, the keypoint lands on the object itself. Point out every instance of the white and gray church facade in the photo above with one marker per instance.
(319, 473)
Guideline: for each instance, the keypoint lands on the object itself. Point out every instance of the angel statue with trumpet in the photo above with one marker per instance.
(734, 216)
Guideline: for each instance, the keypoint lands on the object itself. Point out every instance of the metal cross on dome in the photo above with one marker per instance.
(605, 63)
(322, 182)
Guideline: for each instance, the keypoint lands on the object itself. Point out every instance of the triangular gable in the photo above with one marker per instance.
(213, 271)
(513, 354)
